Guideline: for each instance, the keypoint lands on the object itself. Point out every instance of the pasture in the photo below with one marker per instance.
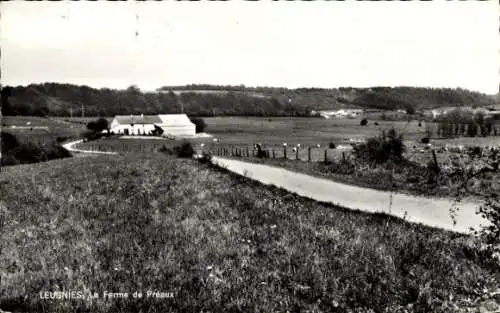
(218, 242)
(38, 129)
(304, 131)
(116, 144)
(81, 120)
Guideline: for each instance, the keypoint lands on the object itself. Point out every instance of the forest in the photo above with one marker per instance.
(56, 99)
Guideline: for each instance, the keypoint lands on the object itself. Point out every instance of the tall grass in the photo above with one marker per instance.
(219, 242)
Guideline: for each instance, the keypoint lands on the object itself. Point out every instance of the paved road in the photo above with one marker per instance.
(430, 211)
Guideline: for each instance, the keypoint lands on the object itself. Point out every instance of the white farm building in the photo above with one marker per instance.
(171, 124)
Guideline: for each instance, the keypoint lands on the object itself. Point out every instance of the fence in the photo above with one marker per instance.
(308, 154)
(121, 146)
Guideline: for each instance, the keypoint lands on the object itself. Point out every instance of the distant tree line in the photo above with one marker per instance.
(465, 124)
(66, 99)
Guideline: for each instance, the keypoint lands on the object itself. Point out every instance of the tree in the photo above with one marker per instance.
(480, 168)
(471, 129)
(158, 131)
(9, 142)
(6, 105)
(99, 125)
(199, 123)
(381, 149)
(410, 111)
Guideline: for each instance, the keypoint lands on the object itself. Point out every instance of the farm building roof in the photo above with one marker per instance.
(174, 120)
(138, 119)
(161, 119)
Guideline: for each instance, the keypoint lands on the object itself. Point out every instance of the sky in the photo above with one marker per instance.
(282, 44)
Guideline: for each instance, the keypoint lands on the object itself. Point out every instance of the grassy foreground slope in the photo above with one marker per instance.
(219, 242)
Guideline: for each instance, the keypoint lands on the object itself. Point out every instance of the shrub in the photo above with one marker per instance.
(185, 150)
(9, 142)
(60, 139)
(261, 153)
(332, 145)
(381, 149)
(98, 125)
(158, 131)
(89, 135)
(410, 111)
(164, 149)
(425, 140)
(205, 158)
(199, 123)
(363, 122)
(29, 152)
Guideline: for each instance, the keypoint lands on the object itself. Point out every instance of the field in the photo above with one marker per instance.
(37, 129)
(115, 144)
(218, 242)
(81, 120)
(304, 131)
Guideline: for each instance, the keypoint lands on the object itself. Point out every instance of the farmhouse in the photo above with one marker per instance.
(349, 113)
(171, 124)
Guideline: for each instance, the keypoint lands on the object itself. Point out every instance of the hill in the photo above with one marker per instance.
(207, 100)
(217, 242)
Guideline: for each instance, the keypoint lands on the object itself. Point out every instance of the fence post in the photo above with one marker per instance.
(284, 152)
(296, 153)
(435, 159)
(326, 155)
(274, 154)
(248, 152)
(343, 156)
(308, 154)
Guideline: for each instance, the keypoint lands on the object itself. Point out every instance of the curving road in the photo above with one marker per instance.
(429, 211)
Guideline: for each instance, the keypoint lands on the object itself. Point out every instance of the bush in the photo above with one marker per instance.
(158, 131)
(205, 158)
(199, 123)
(30, 152)
(60, 139)
(9, 142)
(381, 149)
(261, 153)
(363, 122)
(164, 149)
(185, 150)
(425, 140)
(410, 111)
(89, 135)
(98, 126)
(332, 145)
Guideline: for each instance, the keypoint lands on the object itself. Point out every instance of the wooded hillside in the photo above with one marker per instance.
(65, 99)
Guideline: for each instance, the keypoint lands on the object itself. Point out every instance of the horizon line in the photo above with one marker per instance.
(3, 85)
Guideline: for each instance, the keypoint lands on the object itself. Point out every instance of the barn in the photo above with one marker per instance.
(177, 125)
(171, 124)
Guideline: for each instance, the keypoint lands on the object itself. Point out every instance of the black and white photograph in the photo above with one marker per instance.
(250, 156)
